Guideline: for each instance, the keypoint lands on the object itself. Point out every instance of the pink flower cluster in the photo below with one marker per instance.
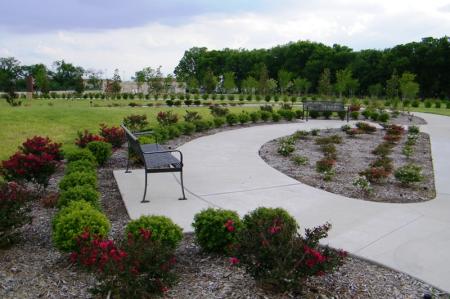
(229, 225)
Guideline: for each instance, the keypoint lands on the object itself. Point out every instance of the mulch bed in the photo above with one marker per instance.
(353, 156)
(33, 268)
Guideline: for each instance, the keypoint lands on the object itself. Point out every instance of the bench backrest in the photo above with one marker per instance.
(133, 142)
(324, 106)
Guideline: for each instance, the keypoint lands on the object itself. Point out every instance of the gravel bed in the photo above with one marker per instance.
(353, 156)
(33, 268)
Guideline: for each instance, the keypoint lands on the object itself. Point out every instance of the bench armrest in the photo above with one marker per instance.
(164, 152)
(143, 133)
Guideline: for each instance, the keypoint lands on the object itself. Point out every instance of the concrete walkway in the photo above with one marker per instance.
(224, 170)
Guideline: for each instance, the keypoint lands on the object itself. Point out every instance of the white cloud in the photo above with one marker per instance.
(368, 24)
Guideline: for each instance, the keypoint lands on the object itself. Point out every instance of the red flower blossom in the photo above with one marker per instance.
(234, 260)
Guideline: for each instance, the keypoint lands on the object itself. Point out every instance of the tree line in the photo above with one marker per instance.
(416, 68)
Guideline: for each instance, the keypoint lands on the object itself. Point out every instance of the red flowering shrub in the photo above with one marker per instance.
(30, 167)
(13, 212)
(135, 122)
(167, 118)
(395, 130)
(354, 107)
(85, 137)
(113, 135)
(216, 229)
(39, 145)
(366, 127)
(375, 174)
(325, 164)
(279, 258)
(136, 267)
(353, 132)
(392, 138)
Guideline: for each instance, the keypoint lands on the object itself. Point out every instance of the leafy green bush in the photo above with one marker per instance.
(413, 130)
(83, 192)
(276, 117)
(408, 151)
(78, 179)
(346, 128)
(342, 114)
(366, 127)
(409, 174)
(243, 117)
(336, 139)
(186, 128)
(314, 114)
(102, 151)
(428, 104)
(202, 125)
(173, 131)
(327, 114)
(255, 116)
(300, 160)
(163, 229)
(415, 103)
(266, 115)
(80, 154)
(384, 117)
(232, 119)
(286, 146)
(218, 122)
(354, 115)
(329, 150)
(325, 164)
(75, 219)
(215, 229)
(383, 149)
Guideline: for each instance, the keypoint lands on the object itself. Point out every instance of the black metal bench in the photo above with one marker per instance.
(156, 158)
(322, 106)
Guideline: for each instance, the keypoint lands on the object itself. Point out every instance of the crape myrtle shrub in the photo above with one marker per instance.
(113, 135)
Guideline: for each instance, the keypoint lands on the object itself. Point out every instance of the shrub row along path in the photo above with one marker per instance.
(224, 170)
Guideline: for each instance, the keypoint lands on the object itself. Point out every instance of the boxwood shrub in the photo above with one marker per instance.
(102, 151)
(162, 229)
(80, 154)
(71, 221)
(83, 192)
(78, 179)
(80, 166)
(215, 229)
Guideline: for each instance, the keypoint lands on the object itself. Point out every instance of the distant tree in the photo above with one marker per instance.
(284, 80)
(193, 85)
(10, 72)
(189, 67)
(79, 85)
(408, 87)
(210, 81)
(375, 90)
(249, 85)
(228, 82)
(272, 85)
(116, 86)
(94, 79)
(41, 77)
(324, 85)
(392, 86)
(168, 82)
(66, 75)
(139, 79)
(301, 85)
(263, 86)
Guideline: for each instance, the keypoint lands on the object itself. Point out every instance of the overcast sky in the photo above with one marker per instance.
(132, 34)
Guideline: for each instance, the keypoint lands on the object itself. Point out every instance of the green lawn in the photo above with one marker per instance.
(61, 119)
(441, 111)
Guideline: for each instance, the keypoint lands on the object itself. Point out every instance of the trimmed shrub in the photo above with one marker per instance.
(80, 154)
(190, 116)
(266, 116)
(167, 118)
(336, 139)
(365, 127)
(286, 146)
(409, 174)
(83, 192)
(216, 229)
(74, 220)
(78, 179)
(375, 174)
(342, 115)
(218, 122)
(255, 116)
(384, 149)
(202, 125)
(325, 165)
(80, 166)
(413, 130)
(135, 122)
(188, 128)
(275, 117)
(218, 111)
(384, 117)
(300, 160)
(163, 229)
(232, 119)
(42, 145)
(354, 115)
(384, 162)
(314, 114)
(327, 114)
(243, 117)
(102, 151)
(329, 150)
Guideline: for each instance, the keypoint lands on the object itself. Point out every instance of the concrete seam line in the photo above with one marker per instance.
(196, 195)
(249, 190)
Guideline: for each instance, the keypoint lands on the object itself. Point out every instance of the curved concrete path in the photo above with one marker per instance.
(224, 170)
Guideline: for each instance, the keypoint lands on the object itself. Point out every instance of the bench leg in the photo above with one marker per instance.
(128, 162)
(182, 185)
(145, 190)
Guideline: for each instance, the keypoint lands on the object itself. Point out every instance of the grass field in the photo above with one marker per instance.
(61, 120)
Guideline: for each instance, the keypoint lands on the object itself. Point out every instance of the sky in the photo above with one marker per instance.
(133, 34)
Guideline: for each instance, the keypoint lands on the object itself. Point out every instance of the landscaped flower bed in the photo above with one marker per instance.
(368, 164)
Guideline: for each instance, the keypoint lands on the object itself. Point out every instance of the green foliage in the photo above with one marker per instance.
(78, 179)
(216, 229)
(300, 160)
(314, 114)
(102, 151)
(188, 128)
(286, 146)
(408, 151)
(80, 154)
(243, 117)
(255, 116)
(276, 117)
(384, 149)
(71, 221)
(354, 115)
(325, 165)
(342, 115)
(363, 184)
(202, 125)
(384, 117)
(409, 174)
(366, 127)
(232, 119)
(413, 130)
(266, 116)
(336, 139)
(218, 122)
(162, 228)
(81, 192)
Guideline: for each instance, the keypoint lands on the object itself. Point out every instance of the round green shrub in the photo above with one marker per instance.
(276, 117)
(215, 229)
(102, 151)
(71, 221)
(383, 117)
(163, 229)
(231, 119)
(80, 166)
(80, 154)
(218, 121)
(261, 220)
(409, 174)
(83, 192)
(266, 115)
(243, 117)
(77, 179)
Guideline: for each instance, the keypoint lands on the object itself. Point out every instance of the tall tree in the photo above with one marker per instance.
(392, 86)
(10, 72)
(408, 87)
(41, 77)
(94, 79)
(249, 85)
(263, 86)
(228, 82)
(324, 85)
(284, 80)
(116, 85)
(209, 81)
(375, 90)
(301, 85)
(66, 75)
(139, 79)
